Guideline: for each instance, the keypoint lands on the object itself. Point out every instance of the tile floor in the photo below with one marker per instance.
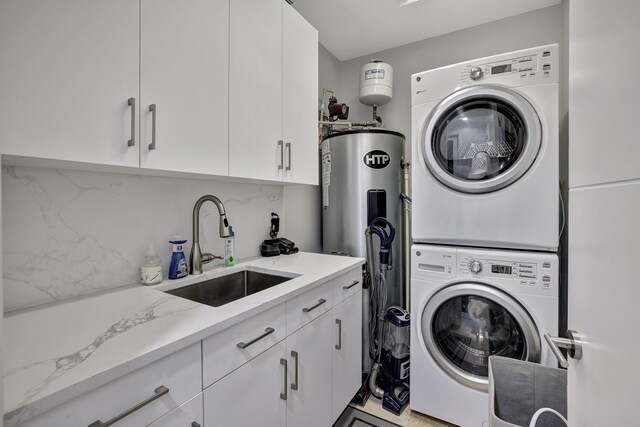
(406, 418)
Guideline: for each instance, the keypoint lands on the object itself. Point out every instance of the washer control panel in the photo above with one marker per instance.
(527, 273)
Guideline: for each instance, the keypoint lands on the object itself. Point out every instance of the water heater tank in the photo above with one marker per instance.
(376, 83)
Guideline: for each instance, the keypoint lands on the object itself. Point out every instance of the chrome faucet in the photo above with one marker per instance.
(197, 258)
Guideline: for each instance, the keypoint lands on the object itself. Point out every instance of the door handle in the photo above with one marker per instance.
(288, 145)
(283, 395)
(572, 343)
(153, 109)
(308, 309)
(294, 384)
(132, 103)
(281, 146)
(243, 345)
(355, 282)
(339, 345)
(157, 394)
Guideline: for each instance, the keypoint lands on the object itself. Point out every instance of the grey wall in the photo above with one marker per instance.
(543, 26)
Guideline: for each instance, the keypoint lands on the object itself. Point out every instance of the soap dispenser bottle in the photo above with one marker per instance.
(151, 270)
(178, 265)
(229, 256)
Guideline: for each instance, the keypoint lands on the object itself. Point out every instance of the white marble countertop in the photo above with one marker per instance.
(59, 352)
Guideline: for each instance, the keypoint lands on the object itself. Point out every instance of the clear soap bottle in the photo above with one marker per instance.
(151, 270)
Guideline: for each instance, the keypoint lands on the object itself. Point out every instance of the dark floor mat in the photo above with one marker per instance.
(352, 417)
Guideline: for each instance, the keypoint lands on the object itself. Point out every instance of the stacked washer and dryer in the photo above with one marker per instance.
(484, 264)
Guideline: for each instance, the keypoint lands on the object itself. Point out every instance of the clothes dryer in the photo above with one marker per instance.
(485, 152)
(468, 304)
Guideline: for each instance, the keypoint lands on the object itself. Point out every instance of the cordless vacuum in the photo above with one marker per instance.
(388, 328)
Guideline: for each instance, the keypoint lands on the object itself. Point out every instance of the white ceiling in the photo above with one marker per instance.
(353, 28)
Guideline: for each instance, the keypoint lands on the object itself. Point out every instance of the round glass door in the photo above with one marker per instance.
(481, 139)
(464, 324)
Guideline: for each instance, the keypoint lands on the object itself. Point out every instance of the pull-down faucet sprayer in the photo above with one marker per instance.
(196, 258)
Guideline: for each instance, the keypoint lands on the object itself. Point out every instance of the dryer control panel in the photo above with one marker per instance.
(534, 274)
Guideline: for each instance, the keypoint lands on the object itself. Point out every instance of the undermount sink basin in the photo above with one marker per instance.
(225, 289)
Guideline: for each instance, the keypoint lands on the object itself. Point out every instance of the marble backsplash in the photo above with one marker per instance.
(69, 233)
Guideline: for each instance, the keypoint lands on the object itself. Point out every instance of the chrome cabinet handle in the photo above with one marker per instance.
(158, 393)
(195, 424)
(288, 145)
(572, 343)
(153, 109)
(294, 384)
(320, 302)
(132, 102)
(244, 345)
(339, 345)
(281, 165)
(355, 282)
(283, 395)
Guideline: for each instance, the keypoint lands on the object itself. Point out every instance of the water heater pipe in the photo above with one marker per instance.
(405, 195)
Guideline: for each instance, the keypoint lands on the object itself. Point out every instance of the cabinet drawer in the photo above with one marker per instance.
(189, 414)
(346, 285)
(308, 306)
(179, 372)
(222, 352)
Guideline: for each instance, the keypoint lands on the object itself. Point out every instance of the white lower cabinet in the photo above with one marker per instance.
(309, 353)
(252, 395)
(347, 365)
(174, 379)
(188, 414)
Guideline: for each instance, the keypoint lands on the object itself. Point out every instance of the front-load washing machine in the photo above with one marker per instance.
(485, 152)
(468, 304)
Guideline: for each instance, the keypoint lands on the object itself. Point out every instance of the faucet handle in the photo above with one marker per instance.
(207, 257)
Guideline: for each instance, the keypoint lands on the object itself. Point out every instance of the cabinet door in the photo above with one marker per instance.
(255, 89)
(309, 354)
(251, 395)
(184, 73)
(68, 68)
(300, 98)
(347, 352)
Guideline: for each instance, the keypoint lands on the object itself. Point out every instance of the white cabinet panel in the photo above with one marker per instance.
(309, 354)
(251, 395)
(68, 69)
(180, 372)
(300, 98)
(255, 89)
(186, 415)
(308, 306)
(184, 72)
(347, 352)
(603, 53)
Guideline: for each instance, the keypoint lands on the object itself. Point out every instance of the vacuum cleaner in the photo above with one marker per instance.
(388, 328)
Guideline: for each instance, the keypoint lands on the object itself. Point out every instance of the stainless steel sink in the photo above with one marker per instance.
(225, 289)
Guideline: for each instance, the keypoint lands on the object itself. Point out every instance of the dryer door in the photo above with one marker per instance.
(465, 323)
(481, 139)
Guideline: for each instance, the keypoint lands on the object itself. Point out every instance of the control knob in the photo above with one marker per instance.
(475, 266)
(476, 73)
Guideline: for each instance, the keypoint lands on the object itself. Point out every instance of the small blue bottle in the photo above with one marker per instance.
(178, 266)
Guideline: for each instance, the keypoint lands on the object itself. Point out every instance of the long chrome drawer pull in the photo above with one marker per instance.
(283, 396)
(294, 385)
(355, 282)
(288, 145)
(153, 109)
(132, 103)
(339, 345)
(244, 345)
(158, 393)
(320, 302)
(281, 146)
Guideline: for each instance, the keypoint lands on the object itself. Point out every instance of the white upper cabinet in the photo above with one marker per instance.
(184, 46)
(273, 85)
(300, 98)
(255, 89)
(67, 70)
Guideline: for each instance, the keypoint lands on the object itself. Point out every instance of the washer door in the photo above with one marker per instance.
(481, 139)
(464, 324)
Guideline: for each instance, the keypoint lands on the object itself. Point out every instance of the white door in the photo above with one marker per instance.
(184, 74)
(604, 207)
(68, 69)
(253, 395)
(299, 98)
(255, 89)
(347, 352)
(309, 354)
